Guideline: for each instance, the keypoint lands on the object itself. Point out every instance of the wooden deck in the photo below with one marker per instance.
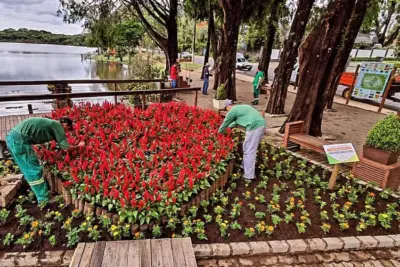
(8, 122)
(176, 252)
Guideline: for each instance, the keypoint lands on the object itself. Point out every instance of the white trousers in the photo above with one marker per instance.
(250, 145)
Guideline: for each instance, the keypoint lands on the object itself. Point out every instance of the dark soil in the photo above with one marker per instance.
(246, 219)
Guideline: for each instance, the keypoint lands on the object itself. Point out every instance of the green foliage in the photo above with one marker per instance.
(221, 92)
(4, 215)
(385, 134)
(128, 33)
(143, 66)
(41, 37)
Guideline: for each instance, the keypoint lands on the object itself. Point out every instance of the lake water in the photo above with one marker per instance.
(29, 62)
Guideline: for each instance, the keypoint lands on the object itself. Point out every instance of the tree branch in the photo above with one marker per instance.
(159, 9)
(392, 36)
(154, 16)
(157, 37)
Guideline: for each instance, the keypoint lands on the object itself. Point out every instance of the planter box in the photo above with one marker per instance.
(385, 176)
(219, 104)
(381, 156)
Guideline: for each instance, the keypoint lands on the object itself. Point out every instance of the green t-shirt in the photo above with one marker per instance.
(42, 130)
(259, 75)
(243, 115)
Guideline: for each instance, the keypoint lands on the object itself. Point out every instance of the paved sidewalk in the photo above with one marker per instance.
(366, 258)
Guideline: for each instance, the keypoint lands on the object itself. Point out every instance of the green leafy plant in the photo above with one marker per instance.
(385, 134)
(94, 232)
(8, 239)
(221, 92)
(249, 232)
(26, 239)
(73, 237)
(4, 215)
(156, 231)
(52, 240)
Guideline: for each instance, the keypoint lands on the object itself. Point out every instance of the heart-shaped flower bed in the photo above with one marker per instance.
(143, 164)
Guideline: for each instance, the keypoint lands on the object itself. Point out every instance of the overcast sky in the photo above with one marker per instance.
(34, 14)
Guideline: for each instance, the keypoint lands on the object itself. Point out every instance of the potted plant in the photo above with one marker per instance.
(220, 97)
(383, 141)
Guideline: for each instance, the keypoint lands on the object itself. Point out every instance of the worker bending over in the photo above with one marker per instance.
(249, 118)
(34, 131)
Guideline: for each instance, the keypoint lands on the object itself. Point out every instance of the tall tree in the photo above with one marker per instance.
(276, 102)
(270, 37)
(316, 56)
(389, 8)
(226, 69)
(158, 18)
(210, 30)
(164, 13)
(234, 12)
(339, 64)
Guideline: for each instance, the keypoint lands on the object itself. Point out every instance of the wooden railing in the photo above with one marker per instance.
(115, 93)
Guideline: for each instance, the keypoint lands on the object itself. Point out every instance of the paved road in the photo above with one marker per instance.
(351, 68)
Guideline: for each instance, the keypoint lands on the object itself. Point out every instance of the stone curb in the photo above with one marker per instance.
(32, 259)
(295, 246)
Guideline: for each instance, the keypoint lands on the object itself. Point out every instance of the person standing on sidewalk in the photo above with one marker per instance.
(249, 118)
(205, 76)
(258, 79)
(173, 73)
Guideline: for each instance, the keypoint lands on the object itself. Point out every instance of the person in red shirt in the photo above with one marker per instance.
(174, 74)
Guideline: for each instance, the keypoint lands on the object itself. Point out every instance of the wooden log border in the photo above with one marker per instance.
(56, 185)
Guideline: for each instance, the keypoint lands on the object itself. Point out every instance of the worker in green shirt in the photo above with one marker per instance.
(258, 79)
(249, 118)
(34, 131)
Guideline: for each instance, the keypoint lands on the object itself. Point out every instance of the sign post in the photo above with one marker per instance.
(372, 81)
(338, 154)
(352, 84)
(386, 93)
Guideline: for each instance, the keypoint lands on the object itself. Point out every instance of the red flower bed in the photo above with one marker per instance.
(141, 163)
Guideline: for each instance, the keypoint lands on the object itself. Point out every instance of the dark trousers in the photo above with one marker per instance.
(205, 87)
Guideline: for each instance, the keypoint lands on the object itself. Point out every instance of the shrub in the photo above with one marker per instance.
(385, 134)
(221, 92)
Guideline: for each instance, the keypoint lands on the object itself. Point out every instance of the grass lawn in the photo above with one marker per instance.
(125, 60)
(104, 58)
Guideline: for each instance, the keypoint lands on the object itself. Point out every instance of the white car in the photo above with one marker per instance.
(186, 55)
(243, 64)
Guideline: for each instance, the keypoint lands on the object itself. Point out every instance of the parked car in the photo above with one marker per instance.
(186, 55)
(242, 63)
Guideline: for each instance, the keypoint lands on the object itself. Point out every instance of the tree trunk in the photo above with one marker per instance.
(210, 21)
(230, 31)
(172, 29)
(214, 41)
(339, 65)
(216, 61)
(194, 41)
(391, 10)
(270, 38)
(392, 36)
(317, 56)
(276, 102)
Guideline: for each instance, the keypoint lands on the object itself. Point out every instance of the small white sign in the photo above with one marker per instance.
(340, 153)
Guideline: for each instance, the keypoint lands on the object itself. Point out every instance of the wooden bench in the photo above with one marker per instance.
(294, 133)
(176, 252)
